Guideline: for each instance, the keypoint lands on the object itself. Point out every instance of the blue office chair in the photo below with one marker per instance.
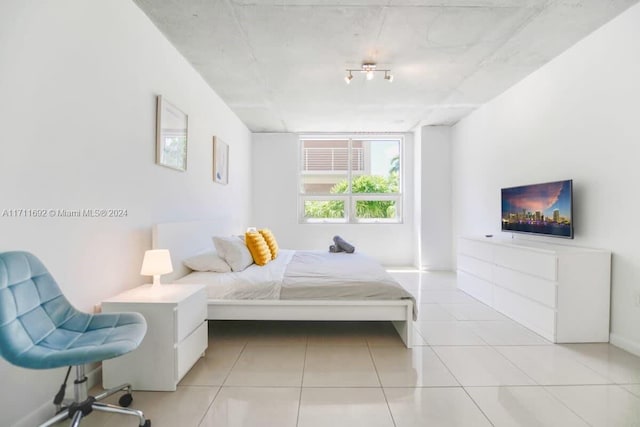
(40, 329)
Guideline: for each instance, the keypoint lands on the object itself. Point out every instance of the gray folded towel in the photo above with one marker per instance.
(335, 249)
(343, 244)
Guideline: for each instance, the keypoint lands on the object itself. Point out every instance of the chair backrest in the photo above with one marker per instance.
(33, 310)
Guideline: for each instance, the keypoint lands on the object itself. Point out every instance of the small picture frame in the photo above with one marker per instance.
(220, 161)
(171, 135)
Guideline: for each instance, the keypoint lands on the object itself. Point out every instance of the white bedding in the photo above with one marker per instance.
(305, 275)
(255, 282)
(325, 275)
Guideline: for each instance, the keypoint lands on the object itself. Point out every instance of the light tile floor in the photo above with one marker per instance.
(471, 367)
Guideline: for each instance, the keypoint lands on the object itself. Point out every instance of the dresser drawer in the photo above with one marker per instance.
(476, 267)
(530, 262)
(190, 350)
(541, 290)
(191, 312)
(476, 287)
(476, 249)
(534, 316)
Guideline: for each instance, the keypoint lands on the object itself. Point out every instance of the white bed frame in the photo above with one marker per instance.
(185, 239)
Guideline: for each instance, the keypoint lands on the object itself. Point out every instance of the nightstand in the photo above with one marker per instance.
(176, 336)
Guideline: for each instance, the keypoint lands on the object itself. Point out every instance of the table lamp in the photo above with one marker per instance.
(155, 263)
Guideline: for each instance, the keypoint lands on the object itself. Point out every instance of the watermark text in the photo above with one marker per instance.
(63, 213)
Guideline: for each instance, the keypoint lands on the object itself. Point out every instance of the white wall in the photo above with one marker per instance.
(275, 205)
(435, 198)
(417, 196)
(576, 117)
(78, 83)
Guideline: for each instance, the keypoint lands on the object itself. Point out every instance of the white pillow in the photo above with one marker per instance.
(208, 261)
(234, 251)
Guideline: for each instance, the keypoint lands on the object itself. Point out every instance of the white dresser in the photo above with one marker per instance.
(176, 336)
(561, 292)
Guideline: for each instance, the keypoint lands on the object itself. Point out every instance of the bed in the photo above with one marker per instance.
(297, 296)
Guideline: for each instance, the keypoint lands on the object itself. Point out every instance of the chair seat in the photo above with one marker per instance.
(109, 335)
(40, 329)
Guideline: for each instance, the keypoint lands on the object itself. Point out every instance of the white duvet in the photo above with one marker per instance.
(255, 282)
(325, 275)
(305, 275)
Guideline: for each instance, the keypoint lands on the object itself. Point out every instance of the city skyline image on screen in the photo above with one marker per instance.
(539, 208)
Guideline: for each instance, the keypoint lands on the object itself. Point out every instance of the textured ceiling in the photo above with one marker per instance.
(279, 64)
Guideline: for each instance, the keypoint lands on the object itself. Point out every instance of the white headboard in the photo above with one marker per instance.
(185, 239)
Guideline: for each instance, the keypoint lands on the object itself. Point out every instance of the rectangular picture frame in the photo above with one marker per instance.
(172, 129)
(220, 161)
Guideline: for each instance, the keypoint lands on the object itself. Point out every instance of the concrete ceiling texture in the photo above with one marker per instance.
(280, 64)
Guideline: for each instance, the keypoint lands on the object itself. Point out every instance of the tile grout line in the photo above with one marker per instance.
(446, 366)
(384, 394)
(574, 360)
(304, 364)
(417, 331)
(563, 404)
(477, 406)
(222, 385)
(566, 350)
(461, 386)
(226, 378)
(204, 415)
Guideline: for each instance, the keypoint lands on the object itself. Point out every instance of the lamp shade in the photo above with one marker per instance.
(156, 262)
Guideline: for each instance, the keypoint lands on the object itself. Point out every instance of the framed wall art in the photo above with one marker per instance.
(171, 135)
(220, 161)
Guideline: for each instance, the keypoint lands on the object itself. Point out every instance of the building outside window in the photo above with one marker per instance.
(350, 179)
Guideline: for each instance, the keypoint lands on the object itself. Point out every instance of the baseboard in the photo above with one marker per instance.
(46, 410)
(37, 417)
(95, 376)
(625, 344)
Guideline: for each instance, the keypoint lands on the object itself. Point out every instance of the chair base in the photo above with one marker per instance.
(78, 409)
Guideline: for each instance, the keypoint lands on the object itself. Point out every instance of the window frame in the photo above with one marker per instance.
(348, 197)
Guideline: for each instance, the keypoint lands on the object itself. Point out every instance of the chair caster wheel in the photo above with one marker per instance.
(146, 424)
(125, 400)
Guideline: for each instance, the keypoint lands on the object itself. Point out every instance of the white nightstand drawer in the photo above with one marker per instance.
(189, 350)
(191, 313)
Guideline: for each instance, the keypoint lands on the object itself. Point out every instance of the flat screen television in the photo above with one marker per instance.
(544, 209)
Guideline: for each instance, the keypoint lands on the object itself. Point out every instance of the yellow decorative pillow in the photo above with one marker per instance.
(271, 242)
(258, 247)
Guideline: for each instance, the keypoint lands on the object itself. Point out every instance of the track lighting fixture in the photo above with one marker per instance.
(369, 69)
(348, 78)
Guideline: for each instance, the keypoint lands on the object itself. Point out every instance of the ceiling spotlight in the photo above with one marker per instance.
(348, 78)
(369, 69)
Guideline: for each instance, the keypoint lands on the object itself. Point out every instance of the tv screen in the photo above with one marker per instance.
(539, 209)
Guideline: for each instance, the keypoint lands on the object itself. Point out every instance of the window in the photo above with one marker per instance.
(350, 179)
